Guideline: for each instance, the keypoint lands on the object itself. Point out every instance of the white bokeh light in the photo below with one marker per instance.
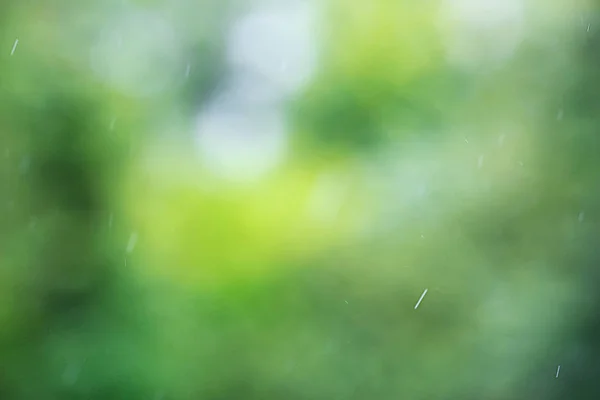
(240, 143)
(138, 54)
(242, 133)
(276, 43)
(484, 32)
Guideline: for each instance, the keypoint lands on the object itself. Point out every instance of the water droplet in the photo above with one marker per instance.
(71, 374)
(501, 140)
(421, 299)
(24, 165)
(132, 242)
(14, 47)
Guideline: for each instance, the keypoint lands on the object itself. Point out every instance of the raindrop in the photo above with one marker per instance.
(14, 47)
(421, 299)
(501, 140)
(71, 374)
(24, 165)
(132, 242)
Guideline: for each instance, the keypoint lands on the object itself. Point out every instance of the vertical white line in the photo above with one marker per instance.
(558, 371)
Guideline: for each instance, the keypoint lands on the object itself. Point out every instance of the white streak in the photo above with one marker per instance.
(581, 216)
(187, 70)
(71, 374)
(558, 371)
(501, 140)
(420, 299)
(132, 242)
(14, 47)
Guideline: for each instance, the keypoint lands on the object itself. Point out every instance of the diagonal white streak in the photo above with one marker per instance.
(14, 47)
(420, 299)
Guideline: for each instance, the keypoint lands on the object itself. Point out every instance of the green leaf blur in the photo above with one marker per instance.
(413, 215)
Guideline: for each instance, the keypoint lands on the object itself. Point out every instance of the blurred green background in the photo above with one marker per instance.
(334, 199)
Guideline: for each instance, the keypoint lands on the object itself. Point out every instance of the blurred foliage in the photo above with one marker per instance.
(382, 76)
(131, 270)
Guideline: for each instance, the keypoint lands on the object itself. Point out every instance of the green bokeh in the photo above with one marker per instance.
(129, 271)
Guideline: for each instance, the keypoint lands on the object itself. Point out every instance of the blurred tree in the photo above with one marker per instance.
(62, 231)
(382, 77)
(130, 274)
(572, 149)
